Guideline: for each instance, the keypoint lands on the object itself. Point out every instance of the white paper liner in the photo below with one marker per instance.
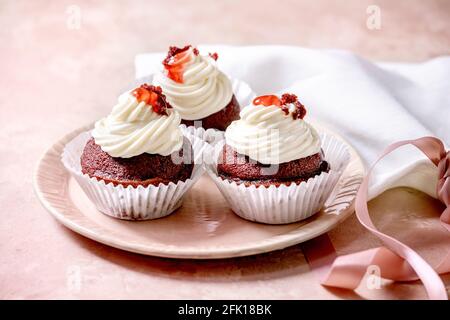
(141, 203)
(283, 204)
(244, 95)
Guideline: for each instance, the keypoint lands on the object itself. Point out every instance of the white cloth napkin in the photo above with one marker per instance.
(370, 104)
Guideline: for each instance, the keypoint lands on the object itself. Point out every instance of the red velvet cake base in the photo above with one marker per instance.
(240, 169)
(221, 119)
(145, 169)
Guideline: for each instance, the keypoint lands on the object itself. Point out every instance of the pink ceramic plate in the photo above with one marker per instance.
(203, 228)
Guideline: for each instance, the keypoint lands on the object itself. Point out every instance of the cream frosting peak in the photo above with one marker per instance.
(201, 90)
(133, 128)
(270, 136)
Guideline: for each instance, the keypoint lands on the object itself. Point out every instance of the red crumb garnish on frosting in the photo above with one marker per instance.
(152, 96)
(214, 55)
(286, 98)
(176, 60)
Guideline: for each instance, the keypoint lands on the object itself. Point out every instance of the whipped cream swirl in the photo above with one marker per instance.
(270, 136)
(133, 128)
(204, 90)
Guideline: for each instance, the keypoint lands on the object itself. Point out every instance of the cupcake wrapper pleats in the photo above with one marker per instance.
(141, 203)
(283, 204)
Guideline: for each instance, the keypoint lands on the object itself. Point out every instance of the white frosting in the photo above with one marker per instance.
(205, 89)
(133, 128)
(269, 136)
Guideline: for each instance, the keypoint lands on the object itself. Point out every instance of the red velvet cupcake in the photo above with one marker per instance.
(272, 167)
(136, 164)
(272, 145)
(197, 89)
(135, 144)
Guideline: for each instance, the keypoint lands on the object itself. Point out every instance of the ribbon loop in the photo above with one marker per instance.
(345, 271)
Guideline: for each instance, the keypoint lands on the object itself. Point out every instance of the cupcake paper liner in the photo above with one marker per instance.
(283, 204)
(244, 95)
(141, 203)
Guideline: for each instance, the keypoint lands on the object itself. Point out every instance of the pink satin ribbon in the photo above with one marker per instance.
(395, 260)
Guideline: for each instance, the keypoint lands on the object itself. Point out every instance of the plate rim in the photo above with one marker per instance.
(277, 242)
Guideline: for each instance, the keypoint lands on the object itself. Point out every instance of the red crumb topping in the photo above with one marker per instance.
(286, 98)
(214, 55)
(152, 96)
(176, 60)
(173, 51)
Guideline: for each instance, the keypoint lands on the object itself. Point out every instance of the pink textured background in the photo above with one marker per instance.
(54, 80)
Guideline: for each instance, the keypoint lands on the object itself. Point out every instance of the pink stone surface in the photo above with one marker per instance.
(55, 79)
